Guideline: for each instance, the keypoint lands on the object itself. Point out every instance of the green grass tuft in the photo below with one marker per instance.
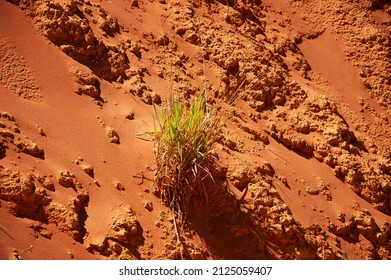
(184, 136)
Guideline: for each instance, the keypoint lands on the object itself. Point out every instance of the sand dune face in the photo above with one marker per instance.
(303, 92)
(15, 74)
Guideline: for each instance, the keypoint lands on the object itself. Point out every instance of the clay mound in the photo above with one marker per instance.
(30, 199)
(13, 138)
(68, 27)
(27, 200)
(125, 238)
(367, 38)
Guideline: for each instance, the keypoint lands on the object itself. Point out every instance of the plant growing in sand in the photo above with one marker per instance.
(184, 135)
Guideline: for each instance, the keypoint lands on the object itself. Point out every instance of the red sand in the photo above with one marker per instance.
(305, 132)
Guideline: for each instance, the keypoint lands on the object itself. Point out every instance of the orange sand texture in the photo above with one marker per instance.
(303, 90)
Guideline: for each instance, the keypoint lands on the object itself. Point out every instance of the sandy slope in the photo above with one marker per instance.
(303, 92)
